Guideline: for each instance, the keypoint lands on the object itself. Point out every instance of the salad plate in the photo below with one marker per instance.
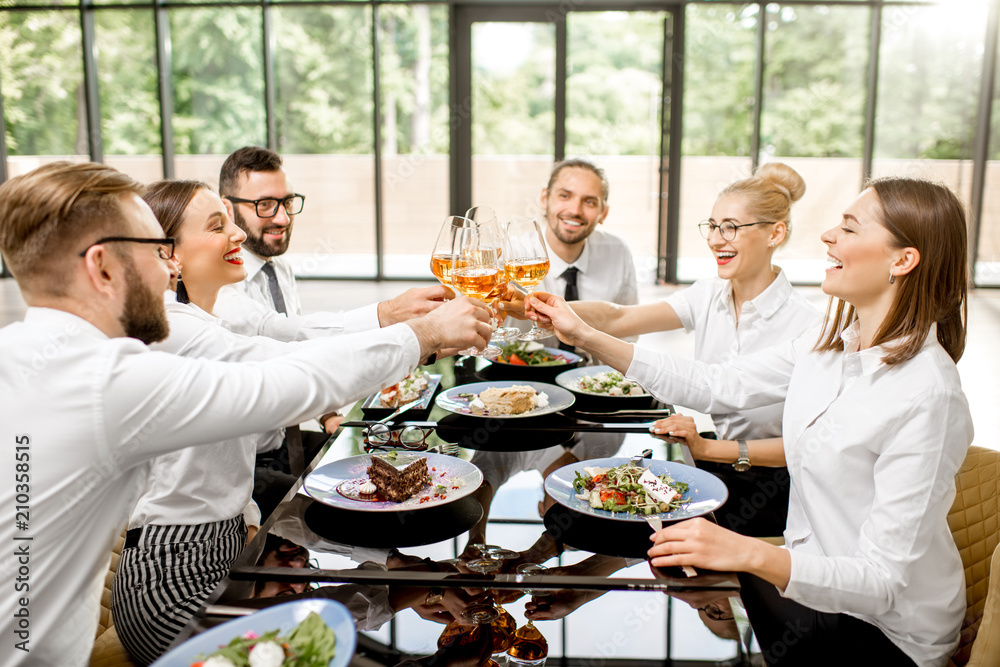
(529, 354)
(599, 401)
(705, 492)
(530, 360)
(337, 484)
(456, 401)
(575, 380)
(284, 617)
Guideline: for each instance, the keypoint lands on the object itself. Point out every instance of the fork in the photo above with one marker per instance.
(654, 522)
(448, 449)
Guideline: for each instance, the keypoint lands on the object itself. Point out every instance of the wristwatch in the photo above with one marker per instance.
(743, 462)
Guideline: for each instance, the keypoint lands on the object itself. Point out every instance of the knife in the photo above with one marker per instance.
(584, 427)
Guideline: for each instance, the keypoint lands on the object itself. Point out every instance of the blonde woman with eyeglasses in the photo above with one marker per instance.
(749, 306)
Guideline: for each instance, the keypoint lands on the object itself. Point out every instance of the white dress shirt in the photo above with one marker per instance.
(212, 482)
(96, 411)
(872, 451)
(778, 313)
(249, 310)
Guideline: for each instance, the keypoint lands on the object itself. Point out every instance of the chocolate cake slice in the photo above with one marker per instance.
(398, 476)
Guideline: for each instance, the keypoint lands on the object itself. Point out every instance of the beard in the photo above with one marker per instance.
(144, 316)
(255, 242)
(566, 236)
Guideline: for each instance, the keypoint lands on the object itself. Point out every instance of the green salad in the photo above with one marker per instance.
(529, 353)
(629, 488)
(310, 644)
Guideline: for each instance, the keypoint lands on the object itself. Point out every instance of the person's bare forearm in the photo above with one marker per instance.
(625, 321)
(601, 315)
(769, 453)
(615, 353)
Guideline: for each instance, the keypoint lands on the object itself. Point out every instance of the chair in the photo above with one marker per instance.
(108, 650)
(975, 524)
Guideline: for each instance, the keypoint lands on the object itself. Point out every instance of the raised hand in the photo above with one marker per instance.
(414, 302)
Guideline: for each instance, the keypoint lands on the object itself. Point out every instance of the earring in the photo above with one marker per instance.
(771, 244)
(892, 277)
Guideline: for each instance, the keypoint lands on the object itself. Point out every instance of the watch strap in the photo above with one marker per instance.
(743, 459)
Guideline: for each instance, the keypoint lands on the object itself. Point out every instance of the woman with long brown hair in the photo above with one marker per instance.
(875, 426)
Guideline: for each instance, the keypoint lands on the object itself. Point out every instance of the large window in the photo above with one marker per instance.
(718, 63)
(815, 67)
(360, 98)
(42, 83)
(929, 77)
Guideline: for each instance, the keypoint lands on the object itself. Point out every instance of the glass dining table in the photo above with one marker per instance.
(419, 591)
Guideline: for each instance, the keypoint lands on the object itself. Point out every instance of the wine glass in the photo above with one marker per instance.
(477, 269)
(529, 647)
(445, 255)
(484, 215)
(526, 262)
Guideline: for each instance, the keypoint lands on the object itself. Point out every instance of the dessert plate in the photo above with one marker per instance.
(706, 492)
(337, 484)
(452, 401)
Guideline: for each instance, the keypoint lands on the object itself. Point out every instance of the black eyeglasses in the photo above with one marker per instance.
(166, 249)
(727, 228)
(268, 207)
(381, 436)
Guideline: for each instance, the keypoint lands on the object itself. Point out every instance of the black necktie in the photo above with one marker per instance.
(272, 285)
(569, 275)
(571, 294)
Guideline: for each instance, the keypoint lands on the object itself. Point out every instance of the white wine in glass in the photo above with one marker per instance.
(486, 216)
(526, 262)
(477, 270)
(446, 255)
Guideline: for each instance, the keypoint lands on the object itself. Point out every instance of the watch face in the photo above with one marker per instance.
(741, 466)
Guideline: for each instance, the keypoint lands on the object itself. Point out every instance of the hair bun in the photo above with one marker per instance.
(785, 177)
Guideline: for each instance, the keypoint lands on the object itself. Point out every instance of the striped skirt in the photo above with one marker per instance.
(163, 582)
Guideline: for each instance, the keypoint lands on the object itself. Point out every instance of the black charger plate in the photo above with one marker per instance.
(394, 529)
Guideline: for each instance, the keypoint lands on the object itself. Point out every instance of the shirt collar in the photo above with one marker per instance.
(871, 359)
(62, 318)
(173, 305)
(774, 296)
(768, 302)
(252, 264)
(557, 266)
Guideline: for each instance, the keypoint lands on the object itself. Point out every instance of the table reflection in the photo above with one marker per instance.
(564, 565)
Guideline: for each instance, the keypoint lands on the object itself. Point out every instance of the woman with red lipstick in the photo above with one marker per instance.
(195, 512)
(193, 518)
(748, 307)
(875, 426)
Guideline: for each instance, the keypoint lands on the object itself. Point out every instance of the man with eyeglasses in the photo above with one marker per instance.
(86, 405)
(255, 189)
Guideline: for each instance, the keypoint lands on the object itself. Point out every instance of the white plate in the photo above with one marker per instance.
(569, 379)
(335, 483)
(559, 398)
(705, 491)
(282, 617)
